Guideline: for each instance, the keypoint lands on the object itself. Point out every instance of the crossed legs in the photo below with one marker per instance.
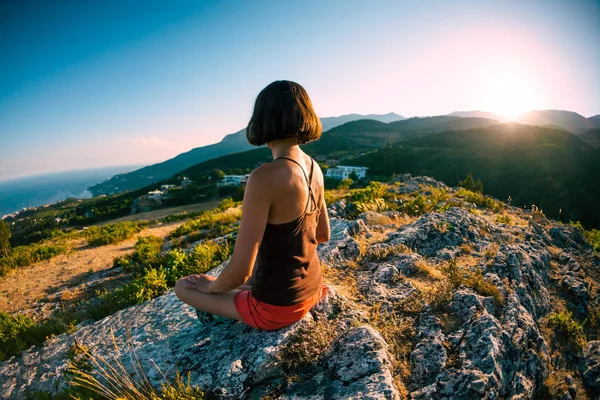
(215, 303)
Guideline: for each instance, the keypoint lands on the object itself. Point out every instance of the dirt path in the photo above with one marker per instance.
(63, 276)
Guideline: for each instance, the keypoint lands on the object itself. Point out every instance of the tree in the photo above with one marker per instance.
(217, 174)
(471, 184)
(345, 184)
(4, 238)
(353, 176)
(238, 192)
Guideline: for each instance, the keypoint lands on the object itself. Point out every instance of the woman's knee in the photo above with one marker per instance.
(180, 287)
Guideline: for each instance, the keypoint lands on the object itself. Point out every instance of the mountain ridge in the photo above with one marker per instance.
(231, 143)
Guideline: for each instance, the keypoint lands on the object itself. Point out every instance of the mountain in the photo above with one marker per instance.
(566, 120)
(476, 114)
(347, 139)
(569, 120)
(553, 169)
(591, 137)
(232, 143)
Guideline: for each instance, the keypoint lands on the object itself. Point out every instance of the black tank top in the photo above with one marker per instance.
(288, 269)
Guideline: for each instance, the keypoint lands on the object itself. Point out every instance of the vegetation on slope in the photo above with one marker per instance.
(530, 165)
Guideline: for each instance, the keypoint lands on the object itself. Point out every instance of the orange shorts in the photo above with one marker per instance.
(268, 317)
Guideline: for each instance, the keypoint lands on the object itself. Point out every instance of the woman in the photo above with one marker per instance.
(274, 275)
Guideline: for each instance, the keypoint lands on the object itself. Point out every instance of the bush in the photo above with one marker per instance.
(207, 222)
(18, 333)
(4, 239)
(504, 219)
(345, 184)
(147, 251)
(479, 200)
(472, 279)
(564, 324)
(22, 256)
(591, 235)
(225, 204)
(112, 233)
(373, 191)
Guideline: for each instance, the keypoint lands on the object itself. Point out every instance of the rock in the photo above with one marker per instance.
(590, 366)
(342, 247)
(429, 355)
(434, 232)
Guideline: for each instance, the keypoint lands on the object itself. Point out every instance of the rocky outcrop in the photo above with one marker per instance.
(474, 338)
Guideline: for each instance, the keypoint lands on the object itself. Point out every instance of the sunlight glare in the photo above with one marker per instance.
(509, 96)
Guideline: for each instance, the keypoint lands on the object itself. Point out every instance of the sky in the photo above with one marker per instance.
(90, 83)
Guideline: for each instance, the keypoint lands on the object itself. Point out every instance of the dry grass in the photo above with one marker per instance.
(307, 346)
(429, 270)
(70, 294)
(382, 252)
(344, 281)
(556, 385)
(398, 332)
(490, 252)
(465, 249)
(109, 379)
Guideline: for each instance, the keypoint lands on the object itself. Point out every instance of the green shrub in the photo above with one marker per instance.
(112, 233)
(225, 204)
(591, 235)
(373, 191)
(18, 333)
(182, 216)
(147, 250)
(473, 279)
(207, 222)
(504, 219)
(345, 184)
(123, 262)
(567, 328)
(22, 256)
(479, 199)
(564, 324)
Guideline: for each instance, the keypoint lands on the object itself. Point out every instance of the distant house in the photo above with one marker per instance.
(166, 187)
(344, 171)
(185, 182)
(233, 180)
(155, 194)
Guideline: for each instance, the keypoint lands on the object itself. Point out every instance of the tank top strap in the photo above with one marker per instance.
(307, 178)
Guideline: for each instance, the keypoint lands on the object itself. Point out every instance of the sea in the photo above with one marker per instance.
(33, 191)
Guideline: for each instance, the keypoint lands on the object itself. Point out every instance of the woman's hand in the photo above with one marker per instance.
(200, 282)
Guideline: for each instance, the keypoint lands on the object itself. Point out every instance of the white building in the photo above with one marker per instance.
(233, 180)
(155, 194)
(344, 171)
(166, 187)
(185, 182)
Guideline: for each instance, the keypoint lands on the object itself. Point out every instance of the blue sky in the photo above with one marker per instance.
(98, 83)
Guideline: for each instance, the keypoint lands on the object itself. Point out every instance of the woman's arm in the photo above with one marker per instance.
(323, 230)
(255, 214)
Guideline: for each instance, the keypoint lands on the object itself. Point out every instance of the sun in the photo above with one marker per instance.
(509, 97)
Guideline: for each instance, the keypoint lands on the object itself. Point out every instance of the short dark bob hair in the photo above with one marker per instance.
(283, 110)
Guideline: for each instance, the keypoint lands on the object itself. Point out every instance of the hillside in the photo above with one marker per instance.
(232, 143)
(566, 120)
(436, 292)
(552, 169)
(591, 137)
